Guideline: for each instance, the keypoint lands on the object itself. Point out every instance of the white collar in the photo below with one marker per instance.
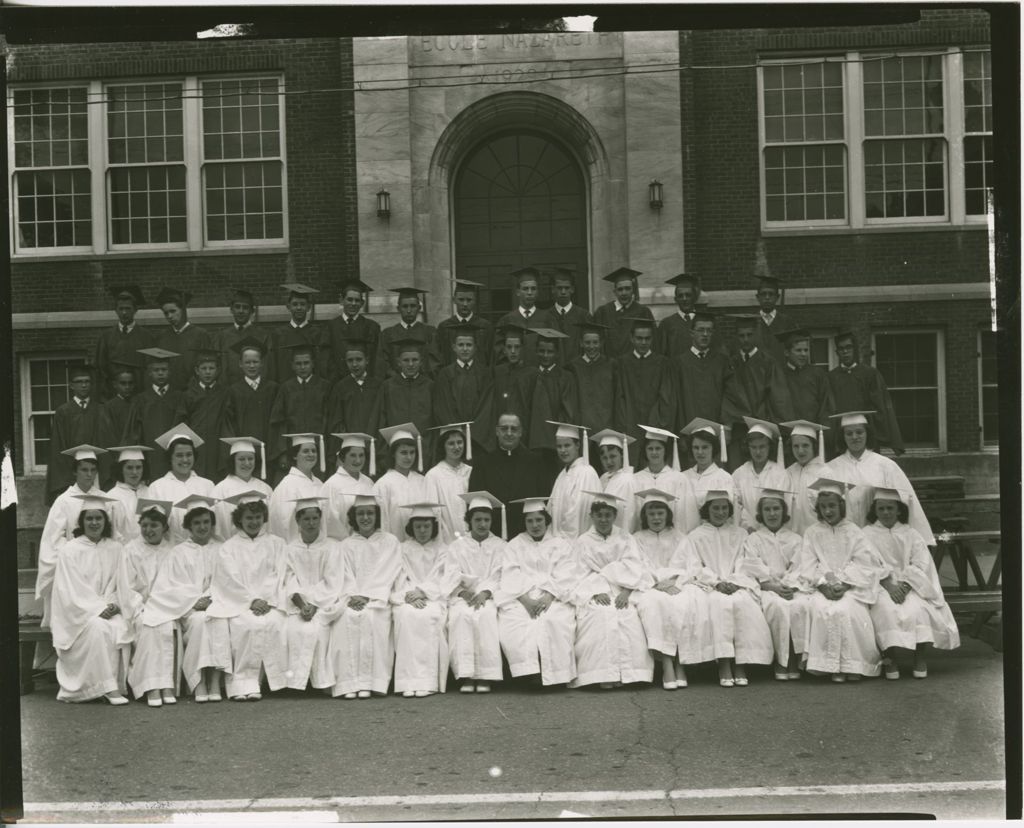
(462, 364)
(563, 308)
(619, 307)
(80, 400)
(463, 318)
(253, 383)
(305, 324)
(698, 353)
(769, 317)
(160, 392)
(752, 352)
(242, 327)
(642, 356)
(527, 313)
(127, 329)
(348, 320)
(684, 314)
(182, 328)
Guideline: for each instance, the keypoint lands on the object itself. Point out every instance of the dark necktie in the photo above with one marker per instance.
(82, 403)
(702, 354)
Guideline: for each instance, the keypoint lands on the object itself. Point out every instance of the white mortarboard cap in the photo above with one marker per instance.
(574, 432)
(362, 499)
(883, 493)
(827, 484)
(465, 428)
(251, 496)
(307, 503)
(485, 500)
(805, 428)
(179, 432)
(532, 504)
(663, 435)
(779, 494)
(698, 425)
(422, 510)
(606, 499)
(356, 439)
(611, 437)
(84, 452)
(715, 494)
(144, 504)
(769, 430)
(405, 431)
(850, 418)
(654, 496)
(249, 444)
(299, 439)
(193, 501)
(130, 452)
(95, 501)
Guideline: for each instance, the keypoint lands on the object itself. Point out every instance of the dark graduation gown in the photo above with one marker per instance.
(569, 324)
(298, 409)
(505, 376)
(705, 389)
(185, 343)
(484, 336)
(767, 336)
(466, 395)
(539, 396)
(861, 388)
(205, 412)
(149, 416)
(230, 371)
(340, 331)
(617, 340)
(811, 394)
(387, 351)
(596, 384)
(72, 425)
(405, 400)
(765, 393)
(672, 336)
(279, 360)
(113, 418)
(114, 347)
(510, 476)
(248, 412)
(540, 318)
(353, 407)
(645, 392)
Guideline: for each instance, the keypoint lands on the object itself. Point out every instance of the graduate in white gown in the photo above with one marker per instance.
(568, 506)
(807, 441)
(707, 450)
(130, 486)
(181, 594)
(674, 609)
(362, 644)
(741, 635)
(420, 606)
(610, 647)
(771, 556)
(449, 479)
(661, 474)
(152, 672)
(310, 599)
(180, 445)
(339, 490)
(401, 483)
(617, 479)
(472, 572)
(759, 472)
(867, 470)
(911, 611)
(246, 618)
(536, 622)
(299, 482)
(839, 562)
(90, 633)
(245, 456)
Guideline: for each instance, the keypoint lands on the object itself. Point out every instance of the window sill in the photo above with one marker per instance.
(21, 258)
(872, 229)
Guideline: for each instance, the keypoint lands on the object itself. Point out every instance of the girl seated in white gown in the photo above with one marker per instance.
(911, 611)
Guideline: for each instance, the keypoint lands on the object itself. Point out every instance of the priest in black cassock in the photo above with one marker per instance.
(251, 398)
(857, 386)
(567, 316)
(645, 388)
(618, 315)
(771, 321)
(206, 400)
(301, 329)
(117, 347)
(510, 472)
(525, 315)
(596, 381)
(78, 421)
(351, 325)
(463, 391)
(407, 327)
(180, 336)
(465, 299)
(155, 409)
(704, 379)
(673, 335)
(407, 397)
(354, 402)
(300, 407)
(243, 326)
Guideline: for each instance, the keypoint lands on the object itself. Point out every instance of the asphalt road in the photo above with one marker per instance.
(925, 747)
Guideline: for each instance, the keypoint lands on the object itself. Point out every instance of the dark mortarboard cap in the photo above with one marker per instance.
(770, 281)
(409, 344)
(79, 369)
(792, 335)
(408, 291)
(355, 345)
(565, 273)
(125, 363)
(243, 295)
(588, 326)
(528, 272)
(641, 322)
(745, 320)
(301, 347)
(684, 279)
(467, 284)
(299, 289)
(621, 273)
(512, 330)
(702, 314)
(128, 292)
(205, 352)
(249, 342)
(157, 354)
(178, 297)
(354, 284)
(549, 334)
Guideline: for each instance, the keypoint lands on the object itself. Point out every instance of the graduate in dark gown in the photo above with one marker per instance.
(75, 422)
(408, 396)
(596, 380)
(465, 299)
(771, 320)
(114, 415)
(857, 386)
(509, 472)
(300, 407)
(353, 405)
(507, 371)
(206, 400)
(567, 316)
(251, 398)
(155, 409)
(673, 335)
(301, 329)
(809, 388)
(703, 379)
(618, 315)
(463, 391)
(525, 315)
(408, 326)
(118, 346)
(351, 325)
(180, 336)
(645, 388)
(243, 312)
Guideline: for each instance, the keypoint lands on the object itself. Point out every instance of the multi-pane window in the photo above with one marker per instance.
(989, 388)
(859, 139)
(823, 350)
(911, 363)
(44, 382)
(181, 163)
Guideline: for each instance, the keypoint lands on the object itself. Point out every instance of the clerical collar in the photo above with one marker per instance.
(126, 329)
(182, 328)
(638, 355)
(254, 384)
(698, 353)
(464, 364)
(768, 317)
(305, 323)
(527, 312)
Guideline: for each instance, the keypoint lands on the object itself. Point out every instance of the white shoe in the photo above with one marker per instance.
(117, 700)
(202, 698)
(408, 694)
(483, 688)
(253, 697)
(363, 694)
(670, 685)
(155, 702)
(467, 687)
(349, 696)
(422, 694)
(168, 698)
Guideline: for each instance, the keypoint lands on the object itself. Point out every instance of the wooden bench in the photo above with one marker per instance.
(29, 634)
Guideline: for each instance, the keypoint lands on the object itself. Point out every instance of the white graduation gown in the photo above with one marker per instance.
(306, 573)
(737, 623)
(421, 643)
(170, 488)
(841, 637)
(229, 487)
(685, 514)
(245, 643)
(713, 477)
(293, 486)
(801, 506)
(473, 648)
(92, 652)
(395, 490)
(775, 556)
(152, 666)
(444, 485)
(544, 644)
(339, 490)
(924, 616)
(748, 483)
(676, 625)
(610, 642)
(124, 516)
(568, 506)
(621, 484)
(875, 470)
(362, 648)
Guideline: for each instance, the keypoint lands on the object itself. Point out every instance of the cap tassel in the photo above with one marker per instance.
(779, 458)
(504, 523)
(586, 446)
(821, 445)
(373, 459)
(323, 460)
(263, 460)
(675, 453)
(721, 445)
(469, 441)
(419, 453)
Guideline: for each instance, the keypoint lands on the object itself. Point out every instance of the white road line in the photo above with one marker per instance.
(252, 805)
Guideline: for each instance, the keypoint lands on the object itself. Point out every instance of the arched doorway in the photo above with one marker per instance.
(519, 199)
